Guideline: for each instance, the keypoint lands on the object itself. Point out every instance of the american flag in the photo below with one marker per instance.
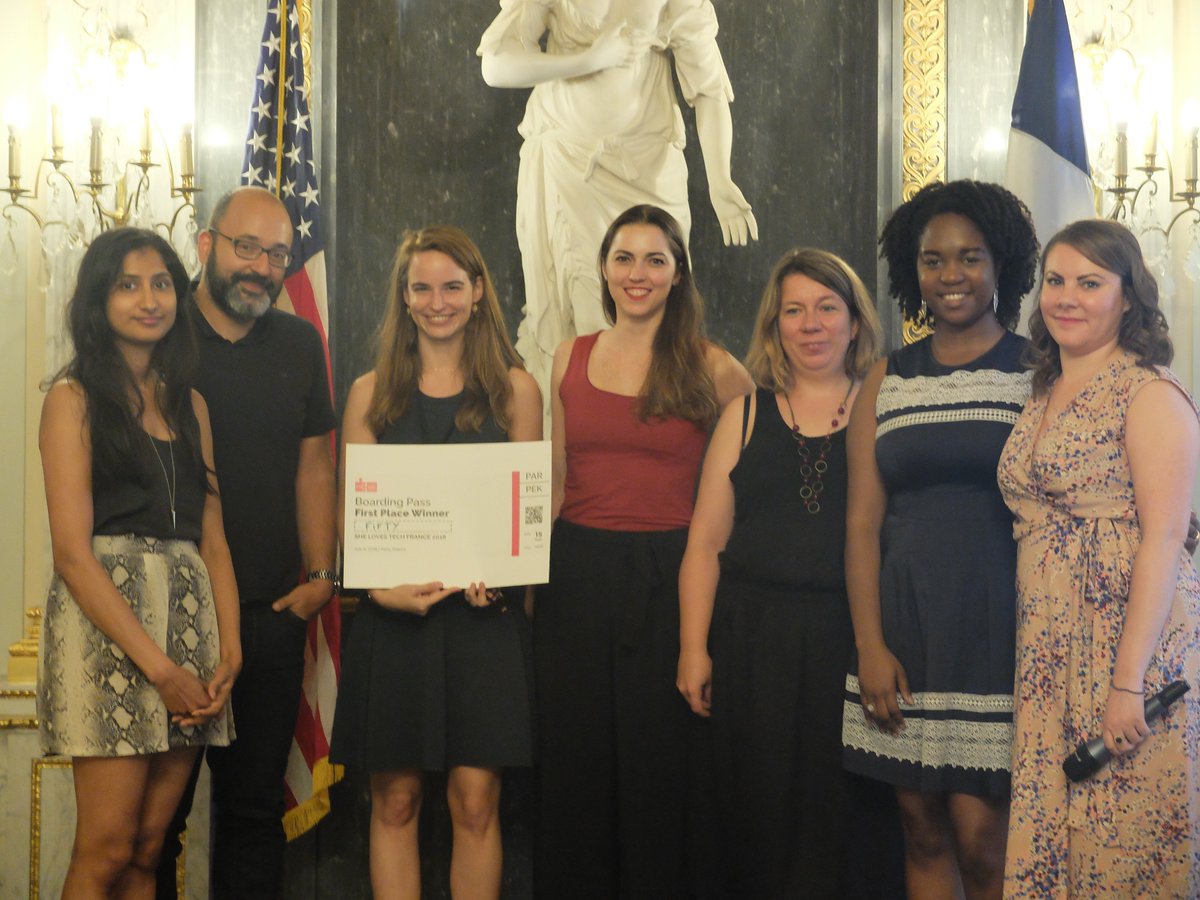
(279, 157)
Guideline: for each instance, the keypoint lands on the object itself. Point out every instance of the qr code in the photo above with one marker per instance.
(533, 515)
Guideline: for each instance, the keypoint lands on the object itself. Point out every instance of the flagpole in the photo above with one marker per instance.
(282, 113)
(309, 773)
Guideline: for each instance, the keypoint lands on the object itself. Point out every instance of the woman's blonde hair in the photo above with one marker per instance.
(767, 363)
(487, 352)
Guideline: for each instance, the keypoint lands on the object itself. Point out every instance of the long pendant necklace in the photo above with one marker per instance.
(813, 471)
(171, 483)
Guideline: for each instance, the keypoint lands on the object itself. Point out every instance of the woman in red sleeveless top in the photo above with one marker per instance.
(632, 407)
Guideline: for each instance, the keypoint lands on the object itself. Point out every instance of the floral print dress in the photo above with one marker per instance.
(1132, 830)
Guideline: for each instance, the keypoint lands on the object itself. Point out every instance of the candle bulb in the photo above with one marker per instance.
(186, 164)
(1122, 167)
(1151, 147)
(14, 155)
(56, 140)
(1192, 148)
(96, 161)
(146, 134)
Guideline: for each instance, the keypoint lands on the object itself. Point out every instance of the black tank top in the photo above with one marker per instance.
(775, 539)
(430, 420)
(143, 507)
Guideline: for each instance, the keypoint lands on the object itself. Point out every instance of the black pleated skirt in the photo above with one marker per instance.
(451, 688)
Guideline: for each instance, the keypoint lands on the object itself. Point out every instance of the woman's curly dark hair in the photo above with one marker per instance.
(1143, 330)
(1002, 218)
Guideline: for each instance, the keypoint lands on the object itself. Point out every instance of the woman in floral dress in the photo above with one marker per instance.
(1099, 473)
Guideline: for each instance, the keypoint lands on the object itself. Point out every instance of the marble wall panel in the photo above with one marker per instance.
(227, 37)
(420, 139)
(193, 867)
(983, 47)
(18, 745)
(53, 824)
(37, 819)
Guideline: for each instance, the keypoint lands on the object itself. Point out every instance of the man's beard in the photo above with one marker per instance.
(229, 297)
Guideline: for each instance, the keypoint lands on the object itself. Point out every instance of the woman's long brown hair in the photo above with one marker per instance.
(679, 384)
(487, 352)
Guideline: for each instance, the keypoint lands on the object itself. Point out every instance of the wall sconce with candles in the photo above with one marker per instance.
(117, 202)
(111, 111)
(1126, 196)
(1131, 84)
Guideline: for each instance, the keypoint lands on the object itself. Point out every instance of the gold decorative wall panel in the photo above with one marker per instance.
(923, 109)
(304, 8)
(923, 92)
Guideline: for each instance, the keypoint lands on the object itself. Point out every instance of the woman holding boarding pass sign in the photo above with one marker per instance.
(436, 677)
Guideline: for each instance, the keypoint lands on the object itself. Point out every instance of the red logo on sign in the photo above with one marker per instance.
(362, 485)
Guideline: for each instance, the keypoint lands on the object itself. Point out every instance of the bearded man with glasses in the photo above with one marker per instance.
(262, 372)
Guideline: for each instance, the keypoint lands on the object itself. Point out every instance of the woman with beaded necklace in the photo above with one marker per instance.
(930, 558)
(762, 586)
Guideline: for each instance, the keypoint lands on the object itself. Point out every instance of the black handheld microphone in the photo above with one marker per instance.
(1091, 756)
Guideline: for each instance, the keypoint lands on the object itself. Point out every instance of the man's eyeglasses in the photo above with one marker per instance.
(276, 256)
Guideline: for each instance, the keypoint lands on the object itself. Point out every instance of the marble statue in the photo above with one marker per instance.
(602, 132)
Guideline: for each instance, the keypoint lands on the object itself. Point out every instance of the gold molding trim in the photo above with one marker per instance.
(16, 722)
(304, 8)
(923, 94)
(35, 818)
(914, 330)
(923, 106)
(23, 655)
(17, 694)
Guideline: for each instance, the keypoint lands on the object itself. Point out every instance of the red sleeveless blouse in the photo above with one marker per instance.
(624, 474)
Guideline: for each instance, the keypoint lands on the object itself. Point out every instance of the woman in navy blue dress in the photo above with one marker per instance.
(930, 557)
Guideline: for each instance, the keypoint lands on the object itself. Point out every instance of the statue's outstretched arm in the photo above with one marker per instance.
(715, 129)
(515, 66)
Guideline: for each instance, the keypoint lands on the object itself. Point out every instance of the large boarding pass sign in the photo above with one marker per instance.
(454, 513)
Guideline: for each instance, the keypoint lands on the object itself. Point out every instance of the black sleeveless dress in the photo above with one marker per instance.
(779, 639)
(450, 688)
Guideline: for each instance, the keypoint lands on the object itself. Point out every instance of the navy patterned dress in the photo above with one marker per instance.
(947, 574)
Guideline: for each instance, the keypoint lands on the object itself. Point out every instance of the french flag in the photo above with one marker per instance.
(1047, 153)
